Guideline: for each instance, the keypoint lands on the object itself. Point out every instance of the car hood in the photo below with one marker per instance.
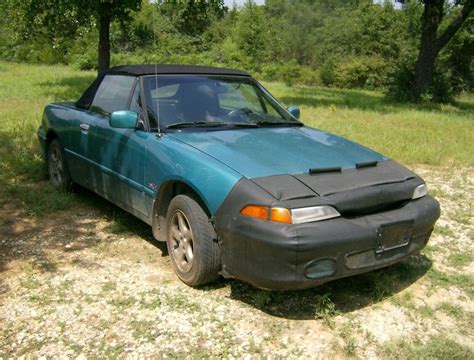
(274, 151)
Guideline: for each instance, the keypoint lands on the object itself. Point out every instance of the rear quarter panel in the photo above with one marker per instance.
(60, 118)
(64, 119)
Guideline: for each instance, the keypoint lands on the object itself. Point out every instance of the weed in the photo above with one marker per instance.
(117, 225)
(325, 309)
(144, 329)
(73, 346)
(458, 313)
(30, 282)
(430, 250)
(440, 347)
(463, 281)
(109, 286)
(180, 302)
(122, 301)
(443, 230)
(111, 350)
(262, 298)
(151, 302)
(461, 258)
(347, 334)
(462, 216)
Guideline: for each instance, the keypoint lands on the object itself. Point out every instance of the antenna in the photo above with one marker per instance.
(157, 103)
(156, 76)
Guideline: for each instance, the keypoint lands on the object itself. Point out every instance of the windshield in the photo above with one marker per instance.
(193, 101)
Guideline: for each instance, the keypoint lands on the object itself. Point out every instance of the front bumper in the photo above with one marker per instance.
(276, 256)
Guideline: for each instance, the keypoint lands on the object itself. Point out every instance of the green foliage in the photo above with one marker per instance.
(193, 17)
(250, 33)
(291, 73)
(453, 66)
(350, 44)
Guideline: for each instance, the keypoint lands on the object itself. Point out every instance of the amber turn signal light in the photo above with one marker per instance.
(280, 215)
(255, 211)
(265, 213)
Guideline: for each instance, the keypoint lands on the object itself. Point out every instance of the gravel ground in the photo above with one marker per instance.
(92, 283)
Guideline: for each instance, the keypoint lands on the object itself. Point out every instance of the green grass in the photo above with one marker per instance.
(412, 134)
(460, 259)
(442, 279)
(25, 91)
(425, 134)
(436, 348)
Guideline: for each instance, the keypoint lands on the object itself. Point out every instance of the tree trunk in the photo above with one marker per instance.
(425, 64)
(104, 42)
(432, 43)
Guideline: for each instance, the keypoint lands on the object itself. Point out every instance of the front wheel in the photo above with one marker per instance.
(191, 242)
(57, 167)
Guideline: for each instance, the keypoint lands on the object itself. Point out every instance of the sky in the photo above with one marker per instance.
(241, 2)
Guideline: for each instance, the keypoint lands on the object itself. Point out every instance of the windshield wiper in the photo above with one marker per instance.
(196, 124)
(243, 125)
(278, 123)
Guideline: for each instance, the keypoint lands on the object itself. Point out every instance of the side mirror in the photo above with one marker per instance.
(123, 119)
(295, 111)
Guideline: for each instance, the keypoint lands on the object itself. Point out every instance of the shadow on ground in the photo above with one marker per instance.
(339, 296)
(68, 230)
(73, 230)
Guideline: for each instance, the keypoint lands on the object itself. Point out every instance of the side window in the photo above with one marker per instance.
(135, 103)
(136, 106)
(242, 96)
(113, 93)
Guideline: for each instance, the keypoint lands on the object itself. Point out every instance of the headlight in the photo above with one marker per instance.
(294, 216)
(315, 213)
(420, 191)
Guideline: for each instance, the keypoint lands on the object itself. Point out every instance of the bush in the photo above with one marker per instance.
(309, 76)
(327, 73)
(443, 88)
(361, 71)
(271, 72)
(400, 87)
(291, 73)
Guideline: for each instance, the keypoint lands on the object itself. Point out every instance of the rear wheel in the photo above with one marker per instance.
(191, 242)
(57, 168)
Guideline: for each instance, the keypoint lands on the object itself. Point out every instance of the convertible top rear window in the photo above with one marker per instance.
(113, 93)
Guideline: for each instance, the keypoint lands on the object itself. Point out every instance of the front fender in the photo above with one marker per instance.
(170, 159)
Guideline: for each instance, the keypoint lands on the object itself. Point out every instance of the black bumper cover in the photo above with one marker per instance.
(272, 255)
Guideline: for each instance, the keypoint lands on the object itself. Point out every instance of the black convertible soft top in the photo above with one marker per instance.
(149, 69)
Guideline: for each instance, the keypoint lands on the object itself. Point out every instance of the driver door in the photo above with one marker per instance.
(117, 155)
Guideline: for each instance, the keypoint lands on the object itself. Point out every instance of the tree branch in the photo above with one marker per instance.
(444, 38)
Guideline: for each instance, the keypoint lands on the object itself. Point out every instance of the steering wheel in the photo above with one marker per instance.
(236, 114)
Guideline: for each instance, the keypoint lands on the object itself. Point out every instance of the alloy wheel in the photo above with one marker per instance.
(182, 242)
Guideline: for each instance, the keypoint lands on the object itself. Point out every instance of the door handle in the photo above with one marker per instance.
(84, 128)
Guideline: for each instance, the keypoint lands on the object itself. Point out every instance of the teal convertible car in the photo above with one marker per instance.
(232, 181)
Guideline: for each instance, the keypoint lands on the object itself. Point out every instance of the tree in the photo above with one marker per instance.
(192, 17)
(65, 17)
(104, 11)
(433, 40)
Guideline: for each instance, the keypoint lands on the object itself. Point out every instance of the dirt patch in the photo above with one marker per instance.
(92, 282)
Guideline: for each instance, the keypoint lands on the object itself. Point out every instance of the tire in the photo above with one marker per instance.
(191, 242)
(58, 171)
